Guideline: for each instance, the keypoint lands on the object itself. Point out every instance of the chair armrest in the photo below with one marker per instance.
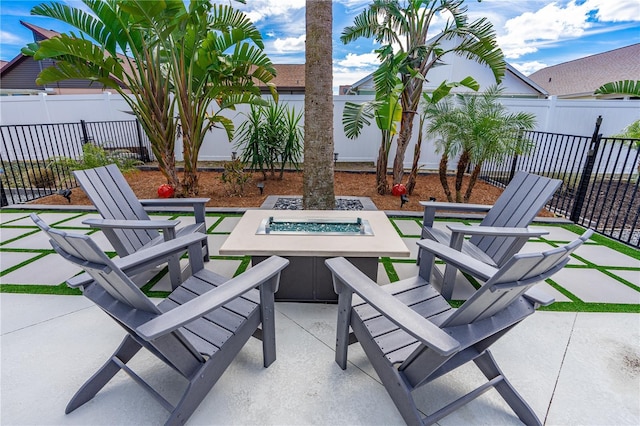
(497, 231)
(207, 302)
(198, 204)
(460, 260)
(538, 296)
(178, 202)
(394, 310)
(430, 208)
(147, 258)
(131, 224)
(462, 207)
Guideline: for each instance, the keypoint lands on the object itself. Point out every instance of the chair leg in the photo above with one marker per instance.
(127, 349)
(196, 391)
(397, 387)
(487, 364)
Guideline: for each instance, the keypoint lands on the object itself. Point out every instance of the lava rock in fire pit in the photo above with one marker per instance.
(296, 204)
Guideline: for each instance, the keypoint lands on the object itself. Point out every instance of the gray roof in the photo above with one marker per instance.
(583, 76)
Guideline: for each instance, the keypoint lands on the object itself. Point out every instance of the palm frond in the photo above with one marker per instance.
(355, 117)
(623, 87)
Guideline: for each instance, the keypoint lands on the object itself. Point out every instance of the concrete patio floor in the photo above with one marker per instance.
(572, 367)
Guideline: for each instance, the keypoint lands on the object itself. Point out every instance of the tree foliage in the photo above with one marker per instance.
(477, 128)
(171, 63)
(404, 27)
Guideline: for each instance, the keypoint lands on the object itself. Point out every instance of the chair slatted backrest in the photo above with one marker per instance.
(517, 206)
(112, 196)
(518, 275)
(117, 295)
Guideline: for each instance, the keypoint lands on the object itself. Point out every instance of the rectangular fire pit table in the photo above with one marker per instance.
(307, 279)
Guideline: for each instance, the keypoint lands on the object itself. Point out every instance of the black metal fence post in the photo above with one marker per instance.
(512, 171)
(144, 155)
(85, 133)
(586, 173)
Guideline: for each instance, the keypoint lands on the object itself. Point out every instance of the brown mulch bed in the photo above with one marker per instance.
(361, 184)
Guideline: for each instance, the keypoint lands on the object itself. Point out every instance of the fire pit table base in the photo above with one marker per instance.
(307, 279)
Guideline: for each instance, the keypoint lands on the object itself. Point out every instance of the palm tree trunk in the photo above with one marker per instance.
(413, 175)
(472, 182)
(318, 179)
(463, 162)
(442, 173)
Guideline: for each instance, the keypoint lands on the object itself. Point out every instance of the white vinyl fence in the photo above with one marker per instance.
(572, 117)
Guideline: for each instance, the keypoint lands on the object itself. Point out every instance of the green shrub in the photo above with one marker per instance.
(271, 135)
(234, 177)
(94, 156)
(40, 178)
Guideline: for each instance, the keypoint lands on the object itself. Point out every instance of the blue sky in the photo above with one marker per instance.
(532, 33)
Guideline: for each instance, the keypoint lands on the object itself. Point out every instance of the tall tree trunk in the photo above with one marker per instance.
(442, 173)
(406, 129)
(472, 182)
(463, 162)
(318, 181)
(413, 175)
(382, 185)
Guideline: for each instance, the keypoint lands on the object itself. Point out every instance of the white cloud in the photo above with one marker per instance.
(557, 21)
(528, 68)
(365, 60)
(550, 23)
(259, 10)
(289, 44)
(10, 38)
(615, 11)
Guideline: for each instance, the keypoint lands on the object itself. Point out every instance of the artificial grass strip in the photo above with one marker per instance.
(25, 263)
(61, 289)
(387, 264)
(592, 307)
(244, 264)
(210, 229)
(35, 231)
(620, 279)
(564, 291)
(606, 241)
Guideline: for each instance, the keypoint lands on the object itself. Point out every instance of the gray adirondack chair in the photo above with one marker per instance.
(197, 330)
(503, 231)
(127, 225)
(412, 336)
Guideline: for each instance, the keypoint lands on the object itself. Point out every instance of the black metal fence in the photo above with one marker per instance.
(600, 179)
(32, 156)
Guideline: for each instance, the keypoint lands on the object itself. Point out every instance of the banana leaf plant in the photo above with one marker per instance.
(386, 109)
(176, 67)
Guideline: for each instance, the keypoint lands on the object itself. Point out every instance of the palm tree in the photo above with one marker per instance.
(200, 55)
(480, 128)
(318, 181)
(429, 100)
(404, 25)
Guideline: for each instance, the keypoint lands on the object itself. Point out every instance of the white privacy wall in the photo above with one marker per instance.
(575, 117)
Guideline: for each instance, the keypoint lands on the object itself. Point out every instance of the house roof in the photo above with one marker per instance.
(581, 77)
(41, 33)
(510, 70)
(289, 78)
